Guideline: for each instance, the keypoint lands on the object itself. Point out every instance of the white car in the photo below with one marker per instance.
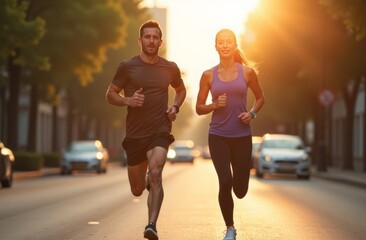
(181, 151)
(85, 155)
(281, 153)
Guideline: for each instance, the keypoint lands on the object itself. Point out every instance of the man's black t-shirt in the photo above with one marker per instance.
(154, 79)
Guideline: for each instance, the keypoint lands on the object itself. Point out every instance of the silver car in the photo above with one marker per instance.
(85, 155)
(181, 151)
(281, 153)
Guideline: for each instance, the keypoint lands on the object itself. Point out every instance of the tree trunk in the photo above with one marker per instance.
(364, 126)
(348, 143)
(320, 140)
(2, 114)
(350, 100)
(14, 71)
(33, 116)
(55, 134)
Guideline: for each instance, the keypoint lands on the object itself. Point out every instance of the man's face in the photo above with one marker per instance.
(150, 41)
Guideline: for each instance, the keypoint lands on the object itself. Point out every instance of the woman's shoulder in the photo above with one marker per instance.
(208, 72)
(249, 73)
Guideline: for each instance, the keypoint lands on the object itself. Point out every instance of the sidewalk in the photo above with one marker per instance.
(17, 175)
(47, 171)
(343, 176)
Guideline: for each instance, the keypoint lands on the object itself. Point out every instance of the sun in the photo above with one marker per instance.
(233, 13)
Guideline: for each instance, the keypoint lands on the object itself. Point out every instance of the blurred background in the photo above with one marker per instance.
(58, 57)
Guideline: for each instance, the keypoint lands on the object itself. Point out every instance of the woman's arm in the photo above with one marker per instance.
(254, 85)
(205, 84)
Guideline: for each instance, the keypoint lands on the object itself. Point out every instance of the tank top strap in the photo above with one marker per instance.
(240, 71)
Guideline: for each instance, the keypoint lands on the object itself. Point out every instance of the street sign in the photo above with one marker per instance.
(326, 97)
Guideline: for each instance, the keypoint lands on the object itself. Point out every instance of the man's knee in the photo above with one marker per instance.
(155, 177)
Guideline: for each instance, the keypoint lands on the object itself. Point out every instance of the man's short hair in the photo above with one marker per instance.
(150, 24)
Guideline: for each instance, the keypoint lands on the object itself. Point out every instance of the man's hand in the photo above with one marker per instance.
(137, 99)
(172, 115)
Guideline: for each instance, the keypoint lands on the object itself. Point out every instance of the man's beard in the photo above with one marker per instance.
(146, 51)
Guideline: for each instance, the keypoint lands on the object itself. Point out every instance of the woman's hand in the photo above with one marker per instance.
(245, 117)
(221, 101)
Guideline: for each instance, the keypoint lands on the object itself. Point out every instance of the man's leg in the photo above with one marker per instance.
(136, 176)
(156, 161)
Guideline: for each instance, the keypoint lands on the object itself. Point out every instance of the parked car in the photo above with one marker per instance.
(256, 141)
(6, 166)
(205, 152)
(281, 153)
(181, 151)
(85, 155)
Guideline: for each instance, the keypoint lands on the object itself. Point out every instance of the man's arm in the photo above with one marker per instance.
(180, 95)
(114, 97)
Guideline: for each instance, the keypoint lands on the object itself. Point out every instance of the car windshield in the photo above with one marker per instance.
(83, 147)
(283, 143)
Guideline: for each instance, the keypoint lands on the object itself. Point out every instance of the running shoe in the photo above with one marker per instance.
(230, 234)
(150, 232)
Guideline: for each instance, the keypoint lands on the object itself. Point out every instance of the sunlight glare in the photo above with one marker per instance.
(233, 13)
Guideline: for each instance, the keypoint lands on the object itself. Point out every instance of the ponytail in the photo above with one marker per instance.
(240, 58)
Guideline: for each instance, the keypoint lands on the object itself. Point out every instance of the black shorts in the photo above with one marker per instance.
(136, 148)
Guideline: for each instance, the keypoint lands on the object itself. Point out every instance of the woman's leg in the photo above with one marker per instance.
(241, 151)
(220, 154)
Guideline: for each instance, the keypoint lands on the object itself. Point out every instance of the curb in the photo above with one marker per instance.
(39, 173)
(342, 179)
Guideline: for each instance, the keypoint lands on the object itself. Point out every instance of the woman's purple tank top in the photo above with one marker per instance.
(225, 121)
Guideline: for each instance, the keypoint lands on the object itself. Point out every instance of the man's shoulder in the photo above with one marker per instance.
(165, 61)
(130, 61)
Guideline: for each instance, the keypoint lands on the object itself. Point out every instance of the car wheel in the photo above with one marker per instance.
(306, 177)
(65, 171)
(99, 169)
(7, 183)
(258, 173)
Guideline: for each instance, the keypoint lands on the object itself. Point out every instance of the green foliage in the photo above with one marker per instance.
(17, 32)
(78, 36)
(28, 161)
(351, 12)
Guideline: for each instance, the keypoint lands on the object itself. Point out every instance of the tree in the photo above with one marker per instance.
(351, 12)
(17, 34)
(75, 43)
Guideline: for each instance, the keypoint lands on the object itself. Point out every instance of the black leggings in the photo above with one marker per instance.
(236, 151)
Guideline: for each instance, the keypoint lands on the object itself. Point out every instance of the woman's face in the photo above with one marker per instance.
(226, 44)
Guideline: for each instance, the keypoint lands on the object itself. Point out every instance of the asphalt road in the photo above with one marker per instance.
(93, 207)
